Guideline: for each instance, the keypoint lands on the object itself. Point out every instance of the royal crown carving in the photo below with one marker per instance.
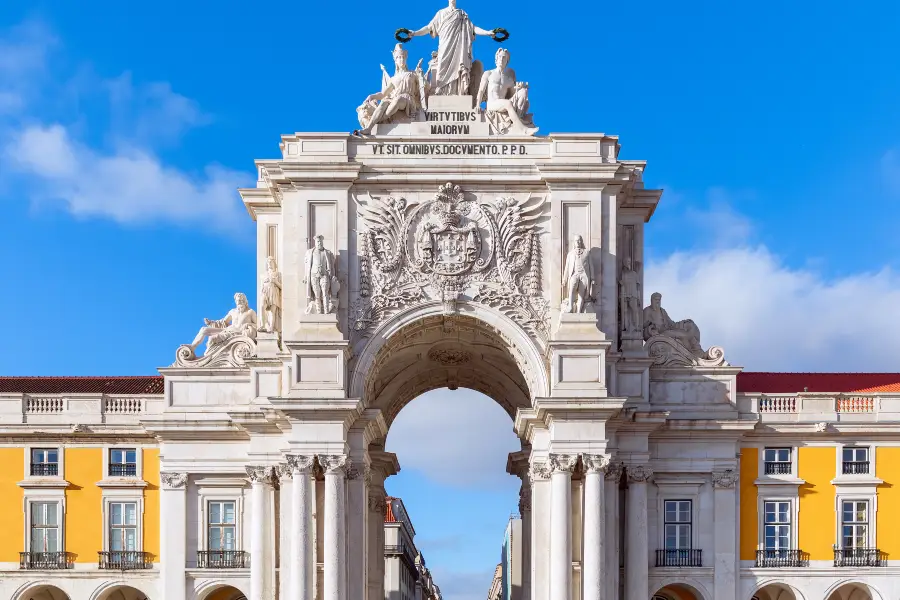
(449, 247)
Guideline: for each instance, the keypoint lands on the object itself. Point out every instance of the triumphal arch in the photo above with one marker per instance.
(445, 242)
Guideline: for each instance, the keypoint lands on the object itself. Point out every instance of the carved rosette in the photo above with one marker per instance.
(614, 472)
(724, 479)
(335, 463)
(449, 248)
(595, 463)
(173, 481)
(539, 471)
(563, 463)
(638, 473)
(301, 464)
(669, 352)
(230, 354)
(260, 474)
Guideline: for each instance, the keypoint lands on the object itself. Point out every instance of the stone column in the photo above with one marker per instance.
(357, 509)
(335, 585)
(595, 466)
(725, 555)
(173, 534)
(637, 555)
(285, 516)
(302, 555)
(376, 542)
(525, 512)
(611, 511)
(260, 480)
(561, 466)
(540, 530)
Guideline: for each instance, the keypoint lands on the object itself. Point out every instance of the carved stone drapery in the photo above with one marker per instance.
(447, 247)
(173, 481)
(724, 479)
(595, 463)
(563, 462)
(260, 474)
(638, 473)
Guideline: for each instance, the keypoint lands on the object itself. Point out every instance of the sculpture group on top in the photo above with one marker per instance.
(452, 71)
(229, 340)
(676, 342)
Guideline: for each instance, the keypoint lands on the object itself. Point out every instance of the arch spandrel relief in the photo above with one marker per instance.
(456, 246)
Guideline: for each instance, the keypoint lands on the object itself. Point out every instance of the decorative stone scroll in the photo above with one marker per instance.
(638, 473)
(676, 343)
(595, 463)
(724, 479)
(564, 463)
(173, 481)
(230, 340)
(448, 247)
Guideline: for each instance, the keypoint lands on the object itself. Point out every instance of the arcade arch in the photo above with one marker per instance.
(853, 591)
(777, 591)
(220, 592)
(41, 592)
(114, 591)
(677, 591)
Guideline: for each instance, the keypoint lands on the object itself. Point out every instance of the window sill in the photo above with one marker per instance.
(857, 480)
(122, 482)
(48, 482)
(779, 480)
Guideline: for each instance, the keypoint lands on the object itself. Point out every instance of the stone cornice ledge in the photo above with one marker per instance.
(185, 429)
(324, 410)
(577, 409)
(43, 483)
(773, 481)
(122, 482)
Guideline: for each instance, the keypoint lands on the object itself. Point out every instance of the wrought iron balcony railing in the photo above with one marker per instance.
(858, 557)
(679, 558)
(777, 468)
(860, 467)
(781, 558)
(222, 559)
(123, 469)
(45, 560)
(124, 560)
(44, 469)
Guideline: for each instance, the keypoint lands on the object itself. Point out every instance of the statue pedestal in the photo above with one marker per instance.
(318, 328)
(267, 345)
(579, 327)
(633, 344)
(451, 103)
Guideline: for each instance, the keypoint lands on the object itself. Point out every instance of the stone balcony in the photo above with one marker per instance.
(78, 409)
(807, 407)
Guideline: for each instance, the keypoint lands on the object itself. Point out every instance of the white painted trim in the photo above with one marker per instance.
(204, 497)
(761, 518)
(32, 496)
(138, 459)
(869, 496)
(60, 456)
(124, 496)
(675, 491)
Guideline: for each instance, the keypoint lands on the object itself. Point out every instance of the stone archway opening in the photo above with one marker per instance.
(853, 591)
(122, 592)
(776, 591)
(44, 592)
(224, 592)
(677, 591)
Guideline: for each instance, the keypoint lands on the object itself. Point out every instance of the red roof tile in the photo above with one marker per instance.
(790, 383)
(389, 510)
(146, 384)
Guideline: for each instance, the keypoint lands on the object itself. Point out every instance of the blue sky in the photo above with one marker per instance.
(773, 127)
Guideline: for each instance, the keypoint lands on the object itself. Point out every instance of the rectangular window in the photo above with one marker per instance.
(678, 524)
(123, 526)
(855, 461)
(778, 525)
(855, 524)
(777, 461)
(44, 462)
(44, 527)
(221, 526)
(123, 462)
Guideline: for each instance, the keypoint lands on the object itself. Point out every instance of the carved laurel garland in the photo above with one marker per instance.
(444, 248)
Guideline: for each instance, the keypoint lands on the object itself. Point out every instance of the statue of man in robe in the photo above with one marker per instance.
(658, 322)
(455, 33)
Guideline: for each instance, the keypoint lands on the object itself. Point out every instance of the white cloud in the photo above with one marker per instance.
(458, 438)
(129, 186)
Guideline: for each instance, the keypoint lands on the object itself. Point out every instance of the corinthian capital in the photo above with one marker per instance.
(173, 481)
(614, 472)
(539, 471)
(595, 463)
(563, 462)
(638, 473)
(300, 463)
(260, 474)
(335, 463)
(724, 479)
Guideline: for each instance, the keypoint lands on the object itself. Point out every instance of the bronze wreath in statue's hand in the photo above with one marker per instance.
(498, 35)
(403, 35)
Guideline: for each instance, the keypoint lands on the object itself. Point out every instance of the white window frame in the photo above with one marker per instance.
(138, 459)
(60, 501)
(839, 463)
(235, 525)
(209, 491)
(60, 455)
(792, 524)
(794, 454)
(674, 489)
(761, 520)
(872, 500)
(689, 523)
(108, 499)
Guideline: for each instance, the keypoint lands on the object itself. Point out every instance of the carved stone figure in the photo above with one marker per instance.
(657, 322)
(271, 297)
(404, 91)
(455, 33)
(240, 320)
(507, 100)
(321, 280)
(630, 297)
(579, 277)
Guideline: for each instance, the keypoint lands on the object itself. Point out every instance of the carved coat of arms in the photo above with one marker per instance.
(443, 247)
